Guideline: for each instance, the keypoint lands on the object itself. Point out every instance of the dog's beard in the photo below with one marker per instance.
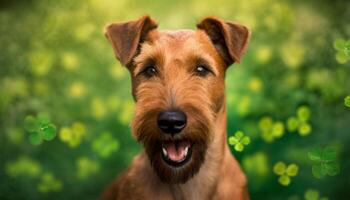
(197, 132)
(180, 174)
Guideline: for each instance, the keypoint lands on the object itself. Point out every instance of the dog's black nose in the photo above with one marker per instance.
(171, 121)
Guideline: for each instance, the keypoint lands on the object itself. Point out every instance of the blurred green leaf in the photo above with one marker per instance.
(326, 161)
(239, 147)
(233, 140)
(23, 166)
(347, 49)
(332, 168)
(86, 167)
(105, 145)
(303, 113)
(30, 123)
(279, 168)
(239, 135)
(39, 128)
(284, 180)
(347, 101)
(35, 138)
(278, 129)
(304, 129)
(312, 195)
(315, 154)
(292, 170)
(49, 132)
(265, 123)
(343, 50)
(239, 140)
(339, 44)
(318, 171)
(245, 140)
(329, 154)
(292, 124)
(43, 119)
(74, 134)
(341, 57)
(49, 183)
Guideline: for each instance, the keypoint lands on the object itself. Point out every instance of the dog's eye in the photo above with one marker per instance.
(202, 70)
(149, 71)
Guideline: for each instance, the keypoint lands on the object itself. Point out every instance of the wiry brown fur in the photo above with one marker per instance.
(212, 172)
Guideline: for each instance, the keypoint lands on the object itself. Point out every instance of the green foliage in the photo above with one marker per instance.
(303, 113)
(256, 164)
(74, 134)
(300, 122)
(86, 167)
(270, 129)
(325, 162)
(15, 135)
(23, 166)
(292, 124)
(347, 101)
(105, 145)
(48, 183)
(312, 194)
(40, 128)
(343, 50)
(239, 140)
(285, 172)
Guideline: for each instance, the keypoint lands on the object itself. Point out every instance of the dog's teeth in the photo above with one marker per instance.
(186, 151)
(164, 151)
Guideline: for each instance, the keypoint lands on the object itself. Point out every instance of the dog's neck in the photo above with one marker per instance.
(204, 183)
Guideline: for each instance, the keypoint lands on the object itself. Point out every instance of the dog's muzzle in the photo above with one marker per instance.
(175, 152)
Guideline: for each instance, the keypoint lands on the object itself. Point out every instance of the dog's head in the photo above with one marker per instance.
(178, 87)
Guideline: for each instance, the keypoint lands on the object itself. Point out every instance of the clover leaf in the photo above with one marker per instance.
(300, 122)
(285, 172)
(325, 162)
(73, 134)
(277, 129)
(239, 140)
(343, 50)
(312, 194)
(347, 101)
(86, 167)
(40, 128)
(303, 113)
(105, 144)
(292, 124)
(48, 183)
(304, 129)
(271, 129)
(23, 166)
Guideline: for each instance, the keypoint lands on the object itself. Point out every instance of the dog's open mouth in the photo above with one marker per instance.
(176, 152)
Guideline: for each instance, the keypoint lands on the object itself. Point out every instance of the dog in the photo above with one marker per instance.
(178, 85)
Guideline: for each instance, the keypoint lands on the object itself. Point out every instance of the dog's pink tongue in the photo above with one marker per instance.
(176, 151)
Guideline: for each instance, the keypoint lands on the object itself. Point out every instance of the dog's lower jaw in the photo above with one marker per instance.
(169, 172)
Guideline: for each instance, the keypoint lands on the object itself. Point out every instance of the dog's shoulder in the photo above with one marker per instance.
(233, 182)
(123, 186)
(130, 184)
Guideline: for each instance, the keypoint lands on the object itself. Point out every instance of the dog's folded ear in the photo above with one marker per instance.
(126, 37)
(230, 39)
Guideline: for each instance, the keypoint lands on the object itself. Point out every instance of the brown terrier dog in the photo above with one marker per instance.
(178, 84)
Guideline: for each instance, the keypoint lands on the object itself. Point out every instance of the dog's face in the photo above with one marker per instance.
(178, 87)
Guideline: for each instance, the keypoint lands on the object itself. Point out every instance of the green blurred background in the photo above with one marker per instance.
(65, 102)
